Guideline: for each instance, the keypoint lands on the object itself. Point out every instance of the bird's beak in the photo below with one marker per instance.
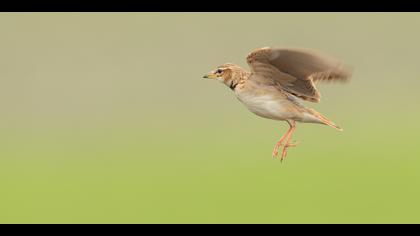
(210, 75)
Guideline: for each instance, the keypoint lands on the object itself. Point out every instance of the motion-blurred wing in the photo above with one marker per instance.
(296, 70)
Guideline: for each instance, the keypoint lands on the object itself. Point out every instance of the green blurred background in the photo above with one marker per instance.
(105, 119)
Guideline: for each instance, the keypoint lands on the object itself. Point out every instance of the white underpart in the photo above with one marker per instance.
(264, 106)
(267, 107)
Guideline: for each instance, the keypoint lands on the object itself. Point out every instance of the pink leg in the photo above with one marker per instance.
(289, 137)
(279, 143)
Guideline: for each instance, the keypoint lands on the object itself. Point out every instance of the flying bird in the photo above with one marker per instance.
(279, 80)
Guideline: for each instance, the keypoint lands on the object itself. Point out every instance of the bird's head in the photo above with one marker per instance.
(221, 73)
(227, 73)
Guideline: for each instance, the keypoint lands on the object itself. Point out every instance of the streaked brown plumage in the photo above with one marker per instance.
(278, 79)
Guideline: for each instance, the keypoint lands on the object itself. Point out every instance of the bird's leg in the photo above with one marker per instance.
(288, 144)
(279, 143)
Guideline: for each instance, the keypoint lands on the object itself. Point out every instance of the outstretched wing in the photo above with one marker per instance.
(296, 70)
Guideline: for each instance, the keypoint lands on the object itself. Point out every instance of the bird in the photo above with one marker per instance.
(278, 82)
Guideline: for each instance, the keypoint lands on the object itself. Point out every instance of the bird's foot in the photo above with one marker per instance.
(275, 152)
(284, 153)
(276, 149)
(278, 145)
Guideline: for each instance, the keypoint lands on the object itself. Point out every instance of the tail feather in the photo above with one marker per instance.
(325, 120)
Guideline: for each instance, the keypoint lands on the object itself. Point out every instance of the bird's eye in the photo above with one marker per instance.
(218, 71)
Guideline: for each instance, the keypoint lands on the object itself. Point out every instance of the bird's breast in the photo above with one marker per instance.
(264, 105)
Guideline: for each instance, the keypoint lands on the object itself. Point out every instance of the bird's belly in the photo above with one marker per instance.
(265, 106)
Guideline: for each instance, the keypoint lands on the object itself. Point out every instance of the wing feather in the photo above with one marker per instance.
(296, 70)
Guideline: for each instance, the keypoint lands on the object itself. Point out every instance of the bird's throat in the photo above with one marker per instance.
(237, 76)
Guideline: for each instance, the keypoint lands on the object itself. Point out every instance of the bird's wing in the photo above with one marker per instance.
(296, 70)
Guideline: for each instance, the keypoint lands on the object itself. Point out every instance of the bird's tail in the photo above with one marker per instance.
(324, 120)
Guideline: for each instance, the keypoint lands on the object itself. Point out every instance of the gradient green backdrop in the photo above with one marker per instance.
(105, 119)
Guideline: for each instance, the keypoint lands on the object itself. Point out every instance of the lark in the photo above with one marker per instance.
(279, 80)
